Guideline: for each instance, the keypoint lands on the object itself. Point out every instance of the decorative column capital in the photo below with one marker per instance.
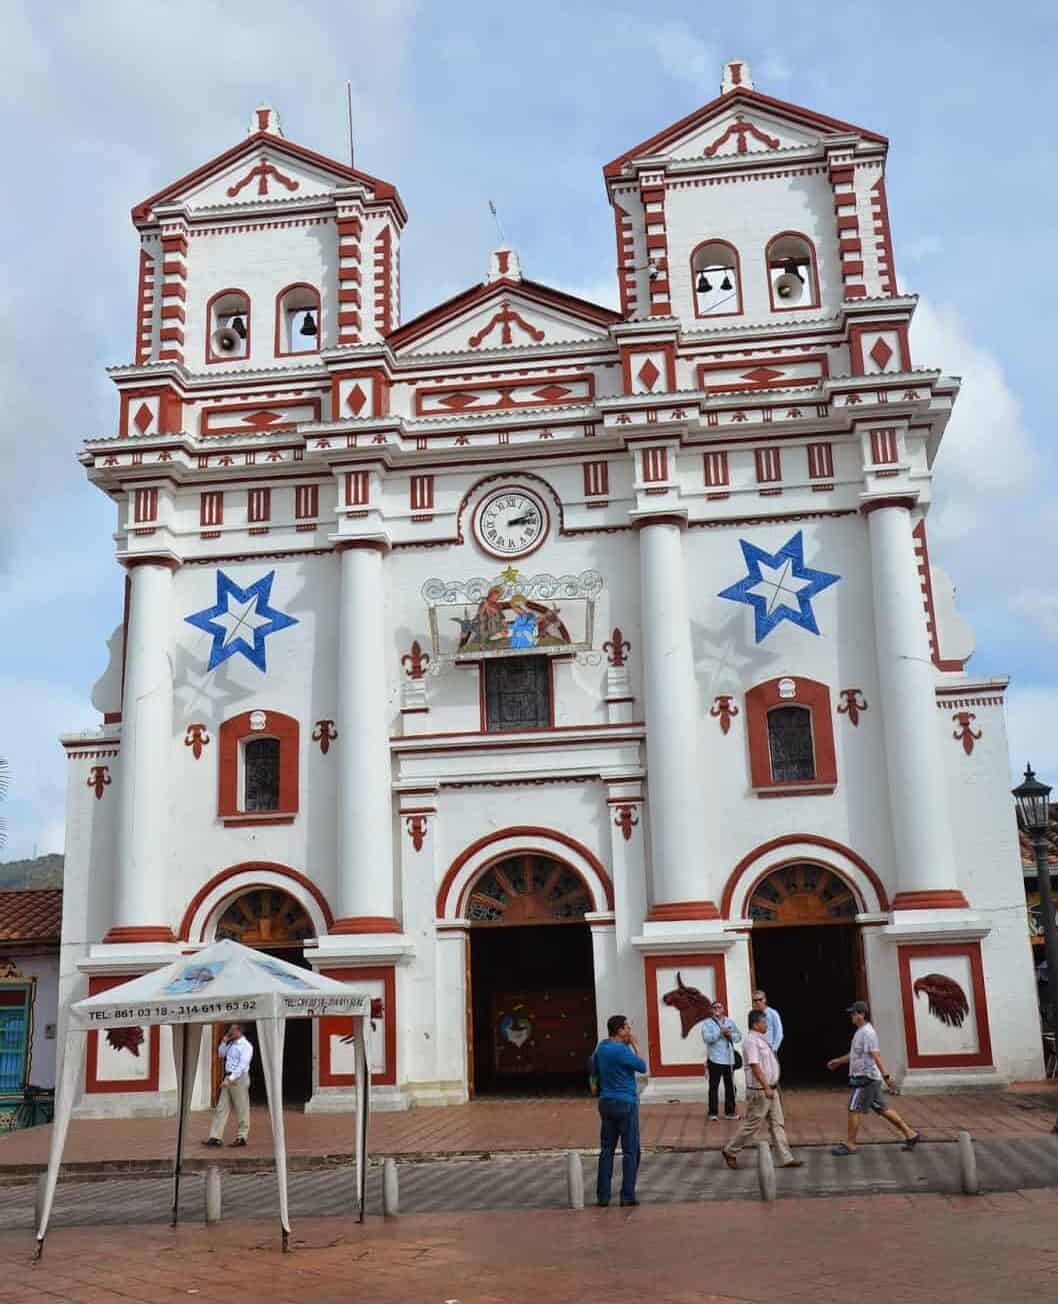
(907, 501)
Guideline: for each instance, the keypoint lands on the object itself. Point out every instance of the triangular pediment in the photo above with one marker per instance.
(504, 314)
(736, 124)
(262, 168)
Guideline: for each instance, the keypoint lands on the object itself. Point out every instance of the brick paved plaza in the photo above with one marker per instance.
(998, 1248)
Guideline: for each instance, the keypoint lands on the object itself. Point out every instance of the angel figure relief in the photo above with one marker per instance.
(514, 622)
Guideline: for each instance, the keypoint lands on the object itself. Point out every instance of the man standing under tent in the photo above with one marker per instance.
(237, 1054)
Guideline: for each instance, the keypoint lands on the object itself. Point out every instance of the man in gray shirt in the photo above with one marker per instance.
(866, 1075)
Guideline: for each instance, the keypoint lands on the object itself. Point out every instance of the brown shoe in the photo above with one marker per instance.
(212, 1141)
(794, 1163)
(730, 1160)
(239, 1141)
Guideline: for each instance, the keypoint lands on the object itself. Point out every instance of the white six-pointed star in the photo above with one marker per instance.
(777, 584)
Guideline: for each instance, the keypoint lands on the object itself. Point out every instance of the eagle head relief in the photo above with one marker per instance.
(947, 1000)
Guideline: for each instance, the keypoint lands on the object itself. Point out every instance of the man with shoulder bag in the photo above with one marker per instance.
(721, 1036)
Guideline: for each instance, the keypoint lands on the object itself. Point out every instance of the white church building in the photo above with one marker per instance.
(530, 661)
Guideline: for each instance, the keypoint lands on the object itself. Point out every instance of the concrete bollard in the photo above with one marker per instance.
(968, 1165)
(38, 1200)
(213, 1194)
(575, 1179)
(390, 1189)
(765, 1171)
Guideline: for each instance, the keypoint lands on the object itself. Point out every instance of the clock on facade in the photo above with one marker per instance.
(511, 522)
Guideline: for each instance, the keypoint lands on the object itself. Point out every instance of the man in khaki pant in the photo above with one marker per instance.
(236, 1052)
(764, 1103)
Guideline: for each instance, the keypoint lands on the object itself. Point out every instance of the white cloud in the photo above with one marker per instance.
(684, 56)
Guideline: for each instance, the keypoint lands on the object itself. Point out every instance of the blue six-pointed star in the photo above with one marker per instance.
(241, 620)
(779, 586)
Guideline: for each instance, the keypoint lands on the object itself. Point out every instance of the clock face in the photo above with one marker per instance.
(511, 522)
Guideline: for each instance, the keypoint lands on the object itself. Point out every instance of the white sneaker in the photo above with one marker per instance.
(714, 1118)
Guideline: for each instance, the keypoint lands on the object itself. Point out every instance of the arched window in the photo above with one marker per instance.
(298, 324)
(228, 326)
(260, 774)
(716, 283)
(793, 281)
(258, 759)
(790, 747)
(791, 738)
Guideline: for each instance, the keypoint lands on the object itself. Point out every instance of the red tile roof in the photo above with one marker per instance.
(31, 916)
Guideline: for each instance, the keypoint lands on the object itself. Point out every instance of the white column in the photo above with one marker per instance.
(917, 787)
(670, 695)
(365, 802)
(143, 777)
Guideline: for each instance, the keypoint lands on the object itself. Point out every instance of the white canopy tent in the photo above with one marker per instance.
(222, 983)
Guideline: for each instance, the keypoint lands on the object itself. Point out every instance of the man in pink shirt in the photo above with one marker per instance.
(764, 1104)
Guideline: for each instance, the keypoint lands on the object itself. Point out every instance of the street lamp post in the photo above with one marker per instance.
(1034, 817)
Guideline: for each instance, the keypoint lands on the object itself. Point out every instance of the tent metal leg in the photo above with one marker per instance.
(180, 1114)
(286, 1240)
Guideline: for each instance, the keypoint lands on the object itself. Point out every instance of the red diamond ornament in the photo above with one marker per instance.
(356, 400)
(551, 393)
(458, 401)
(880, 354)
(648, 374)
(143, 418)
(762, 375)
(261, 420)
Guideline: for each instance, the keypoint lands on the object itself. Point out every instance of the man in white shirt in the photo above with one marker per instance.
(236, 1052)
(866, 1075)
(774, 1033)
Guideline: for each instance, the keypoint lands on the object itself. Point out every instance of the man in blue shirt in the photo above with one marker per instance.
(774, 1033)
(616, 1062)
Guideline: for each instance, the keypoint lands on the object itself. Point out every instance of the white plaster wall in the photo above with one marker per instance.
(261, 263)
(747, 214)
(45, 969)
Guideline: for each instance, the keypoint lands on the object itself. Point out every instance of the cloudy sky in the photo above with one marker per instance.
(104, 102)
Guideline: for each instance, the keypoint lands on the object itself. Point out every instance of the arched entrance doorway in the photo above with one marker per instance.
(807, 956)
(531, 1000)
(269, 919)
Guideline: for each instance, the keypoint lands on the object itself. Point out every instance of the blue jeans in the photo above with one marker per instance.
(620, 1121)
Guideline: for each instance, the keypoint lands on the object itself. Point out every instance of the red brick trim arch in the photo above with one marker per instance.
(514, 833)
(741, 871)
(244, 868)
(232, 733)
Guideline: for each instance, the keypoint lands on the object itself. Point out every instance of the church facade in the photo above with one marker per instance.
(530, 660)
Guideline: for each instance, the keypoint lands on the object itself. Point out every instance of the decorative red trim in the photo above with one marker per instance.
(246, 867)
(139, 933)
(144, 290)
(532, 291)
(170, 563)
(858, 330)
(734, 312)
(235, 731)
(918, 534)
(383, 271)
(251, 145)
(520, 831)
(775, 363)
(876, 504)
(356, 924)
(95, 1085)
(662, 518)
(675, 910)
(332, 1024)
(916, 1060)
(505, 403)
(809, 694)
(297, 353)
(934, 899)
(651, 965)
(740, 97)
(219, 357)
(790, 839)
(884, 239)
(799, 306)
(372, 545)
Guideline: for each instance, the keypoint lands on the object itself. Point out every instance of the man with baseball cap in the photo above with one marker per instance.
(866, 1075)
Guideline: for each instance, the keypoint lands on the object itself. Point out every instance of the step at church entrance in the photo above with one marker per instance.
(531, 991)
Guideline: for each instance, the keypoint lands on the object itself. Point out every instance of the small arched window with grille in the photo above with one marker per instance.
(716, 284)
(260, 769)
(790, 745)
